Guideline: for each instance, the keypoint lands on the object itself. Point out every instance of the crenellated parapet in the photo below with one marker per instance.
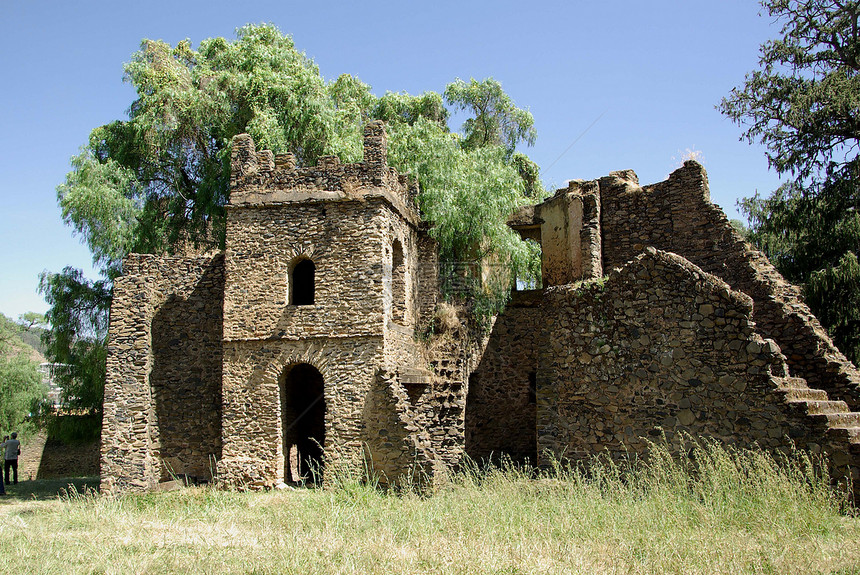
(261, 177)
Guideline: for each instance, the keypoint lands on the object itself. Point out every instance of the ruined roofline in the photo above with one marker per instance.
(618, 181)
(707, 283)
(263, 178)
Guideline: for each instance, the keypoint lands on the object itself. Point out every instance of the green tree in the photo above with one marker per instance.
(495, 119)
(21, 386)
(78, 314)
(803, 105)
(158, 181)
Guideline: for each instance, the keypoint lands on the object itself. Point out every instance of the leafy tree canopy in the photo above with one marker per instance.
(803, 105)
(158, 181)
(495, 119)
(78, 315)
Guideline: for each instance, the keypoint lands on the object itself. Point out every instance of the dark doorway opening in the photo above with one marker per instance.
(302, 283)
(303, 423)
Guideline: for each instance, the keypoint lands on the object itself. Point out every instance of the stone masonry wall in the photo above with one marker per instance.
(165, 335)
(452, 355)
(186, 364)
(569, 233)
(262, 177)
(44, 457)
(661, 347)
(398, 448)
(427, 287)
(345, 240)
(400, 291)
(127, 461)
(500, 408)
(677, 215)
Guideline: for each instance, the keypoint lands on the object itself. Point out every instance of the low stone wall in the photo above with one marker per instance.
(46, 458)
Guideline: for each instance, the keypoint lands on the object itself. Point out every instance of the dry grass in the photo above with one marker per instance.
(722, 512)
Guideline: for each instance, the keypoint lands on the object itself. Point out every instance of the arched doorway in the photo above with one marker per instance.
(303, 423)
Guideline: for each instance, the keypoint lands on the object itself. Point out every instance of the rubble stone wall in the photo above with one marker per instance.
(357, 224)
(44, 457)
(127, 458)
(500, 408)
(677, 215)
(570, 234)
(400, 291)
(427, 284)
(658, 348)
(262, 177)
(345, 242)
(398, 448)
(252, 427)
(165, 333)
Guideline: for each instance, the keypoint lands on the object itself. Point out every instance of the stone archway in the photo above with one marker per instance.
(303, 423)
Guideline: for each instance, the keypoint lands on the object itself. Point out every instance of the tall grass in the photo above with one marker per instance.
(715, 510)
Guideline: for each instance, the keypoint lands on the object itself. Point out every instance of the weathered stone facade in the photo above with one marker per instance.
(303, 344)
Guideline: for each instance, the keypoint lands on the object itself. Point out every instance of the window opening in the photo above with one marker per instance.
(398, 283)
(302, 283)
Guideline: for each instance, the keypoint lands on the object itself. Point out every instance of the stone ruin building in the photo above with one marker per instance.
(302, 344)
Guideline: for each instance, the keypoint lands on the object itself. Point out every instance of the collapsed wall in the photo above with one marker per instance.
(677, 215)
(162, 407)
(659, 348)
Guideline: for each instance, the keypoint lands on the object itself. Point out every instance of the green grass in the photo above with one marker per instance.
(719, 512)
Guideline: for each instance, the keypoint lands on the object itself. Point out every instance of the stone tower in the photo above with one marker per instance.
(321, 296)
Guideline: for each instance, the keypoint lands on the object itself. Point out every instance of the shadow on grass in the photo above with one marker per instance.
(44, 489)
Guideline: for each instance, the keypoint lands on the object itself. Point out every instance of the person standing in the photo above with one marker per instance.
(12, 451)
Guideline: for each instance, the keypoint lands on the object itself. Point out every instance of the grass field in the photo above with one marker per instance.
(719, 512)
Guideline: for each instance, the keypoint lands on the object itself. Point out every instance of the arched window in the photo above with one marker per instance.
(302, 282)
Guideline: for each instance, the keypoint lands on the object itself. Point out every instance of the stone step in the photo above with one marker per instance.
(850, 434)
(837, 420)
(844, 420)
(792, 382)
(804, 394)
(821, 407)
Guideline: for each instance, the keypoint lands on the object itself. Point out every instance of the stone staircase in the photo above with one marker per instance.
(841, 427)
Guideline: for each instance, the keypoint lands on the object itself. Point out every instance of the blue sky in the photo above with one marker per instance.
(649, 73)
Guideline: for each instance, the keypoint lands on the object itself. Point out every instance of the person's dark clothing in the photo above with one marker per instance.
(11, 464)
(11, 448)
